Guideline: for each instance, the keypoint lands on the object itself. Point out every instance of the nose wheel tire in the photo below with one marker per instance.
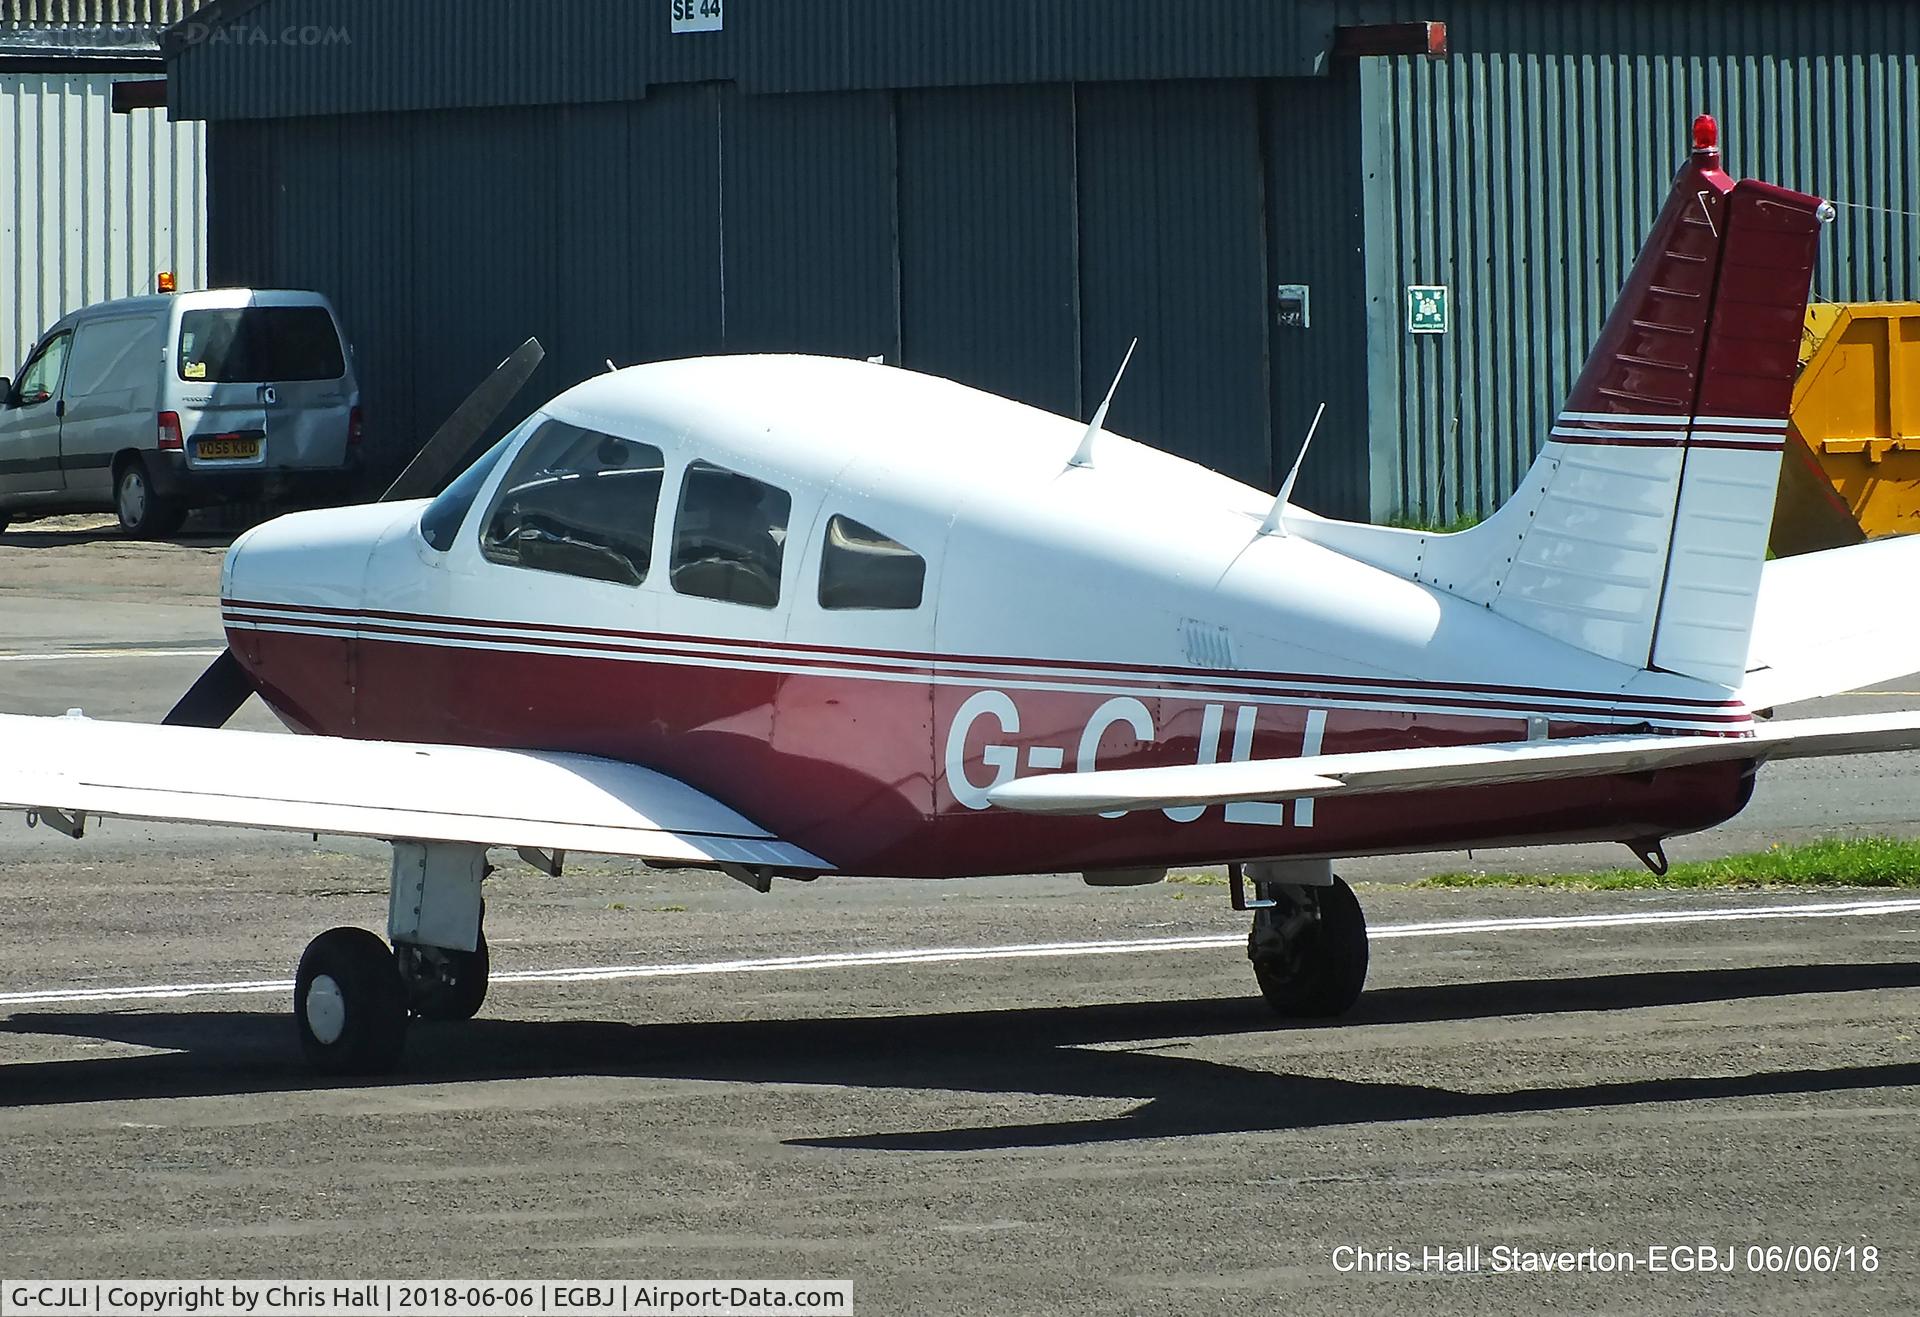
(143, 513)
(350, 1004)
(1309, 952)
(443, 984)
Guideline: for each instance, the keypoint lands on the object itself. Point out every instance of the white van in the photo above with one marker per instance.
(152, 406)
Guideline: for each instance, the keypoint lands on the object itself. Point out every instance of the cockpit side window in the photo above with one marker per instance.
(730, 538)
(577, 502)
(861, 568)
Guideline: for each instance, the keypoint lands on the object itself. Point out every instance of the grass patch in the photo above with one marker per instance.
(1453, 527)
(1829, 862)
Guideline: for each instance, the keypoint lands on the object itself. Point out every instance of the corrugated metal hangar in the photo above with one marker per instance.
(1009, 191)
(93, 204)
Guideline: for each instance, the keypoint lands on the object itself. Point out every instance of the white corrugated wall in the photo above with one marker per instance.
(92, 204)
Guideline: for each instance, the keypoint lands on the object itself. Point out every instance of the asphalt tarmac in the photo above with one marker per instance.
(1114, 1125)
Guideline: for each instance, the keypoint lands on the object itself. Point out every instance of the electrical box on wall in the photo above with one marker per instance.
(1292, 306)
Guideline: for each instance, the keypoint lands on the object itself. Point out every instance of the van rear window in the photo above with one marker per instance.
(259, 345)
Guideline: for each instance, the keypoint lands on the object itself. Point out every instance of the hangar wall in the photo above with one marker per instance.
(1524, 170)
(1014, 238)
(1007, 192)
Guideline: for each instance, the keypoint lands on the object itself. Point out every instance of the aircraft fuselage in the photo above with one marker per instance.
(1129, 614)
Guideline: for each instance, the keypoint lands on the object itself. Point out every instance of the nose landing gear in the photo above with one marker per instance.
(353, 997)
(444, 984)
(350, 1004)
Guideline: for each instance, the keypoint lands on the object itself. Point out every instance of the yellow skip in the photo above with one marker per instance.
(1852, 468)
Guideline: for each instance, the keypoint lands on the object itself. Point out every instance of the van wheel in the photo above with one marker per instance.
(143, 513)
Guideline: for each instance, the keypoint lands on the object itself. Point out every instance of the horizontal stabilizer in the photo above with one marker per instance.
(1833, 621)
(1433, 768)
(387, 790)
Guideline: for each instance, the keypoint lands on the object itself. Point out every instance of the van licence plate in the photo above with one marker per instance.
(226, 449)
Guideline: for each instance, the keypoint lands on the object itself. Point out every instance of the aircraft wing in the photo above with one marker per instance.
(387, 790)
(1431, 768)
(1833, 621)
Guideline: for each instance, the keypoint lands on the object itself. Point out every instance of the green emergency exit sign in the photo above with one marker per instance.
(1428, 310)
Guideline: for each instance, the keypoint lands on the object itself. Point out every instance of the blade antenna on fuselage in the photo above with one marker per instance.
(1275, 524)
(1084, 457)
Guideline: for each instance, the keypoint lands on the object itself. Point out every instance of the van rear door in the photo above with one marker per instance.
(264, 385)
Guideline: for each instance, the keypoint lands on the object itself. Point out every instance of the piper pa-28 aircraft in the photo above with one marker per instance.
(787, 616)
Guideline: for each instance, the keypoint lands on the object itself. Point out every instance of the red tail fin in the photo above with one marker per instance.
(1709, 321)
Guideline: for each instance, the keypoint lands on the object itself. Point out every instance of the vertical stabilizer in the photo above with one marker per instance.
(1640, 531)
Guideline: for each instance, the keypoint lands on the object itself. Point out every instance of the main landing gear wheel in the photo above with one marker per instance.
(1309, 951)
(443, 984)
(350, 1004)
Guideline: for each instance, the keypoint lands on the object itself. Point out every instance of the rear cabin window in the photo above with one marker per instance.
(577, 502)
(259, 345)
(861, 568)
(730, 537)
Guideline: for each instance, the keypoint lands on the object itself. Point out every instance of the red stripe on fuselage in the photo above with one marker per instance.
(854, 769)
(1531, 699)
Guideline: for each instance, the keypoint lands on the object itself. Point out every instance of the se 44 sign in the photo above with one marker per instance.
(697, 15)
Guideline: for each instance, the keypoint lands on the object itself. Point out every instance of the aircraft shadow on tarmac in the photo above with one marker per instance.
(1066, 1051)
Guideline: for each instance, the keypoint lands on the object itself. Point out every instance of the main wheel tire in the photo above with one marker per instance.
(1310, 953)
(443, 984)
(350, 1004)
(144, 514)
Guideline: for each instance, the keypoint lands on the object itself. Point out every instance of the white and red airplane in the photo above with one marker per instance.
(784, 616)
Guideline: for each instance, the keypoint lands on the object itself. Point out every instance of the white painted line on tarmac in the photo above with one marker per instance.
(71, 654)
(1022, 951)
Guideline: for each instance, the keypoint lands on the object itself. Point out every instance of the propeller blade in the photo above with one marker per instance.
(224, 686)
(447, 453)
(215, 697)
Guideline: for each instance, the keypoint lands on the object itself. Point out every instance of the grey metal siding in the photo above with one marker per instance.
(1172, 251)
(670, 232)
(95, 13)
(1013, 238)
(1523, 172)
(808, 221)
(989, 284)
(1315, 236)
(306, 57)
(92, 204)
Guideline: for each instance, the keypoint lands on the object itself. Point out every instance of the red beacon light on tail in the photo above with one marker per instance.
(1706, 136)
